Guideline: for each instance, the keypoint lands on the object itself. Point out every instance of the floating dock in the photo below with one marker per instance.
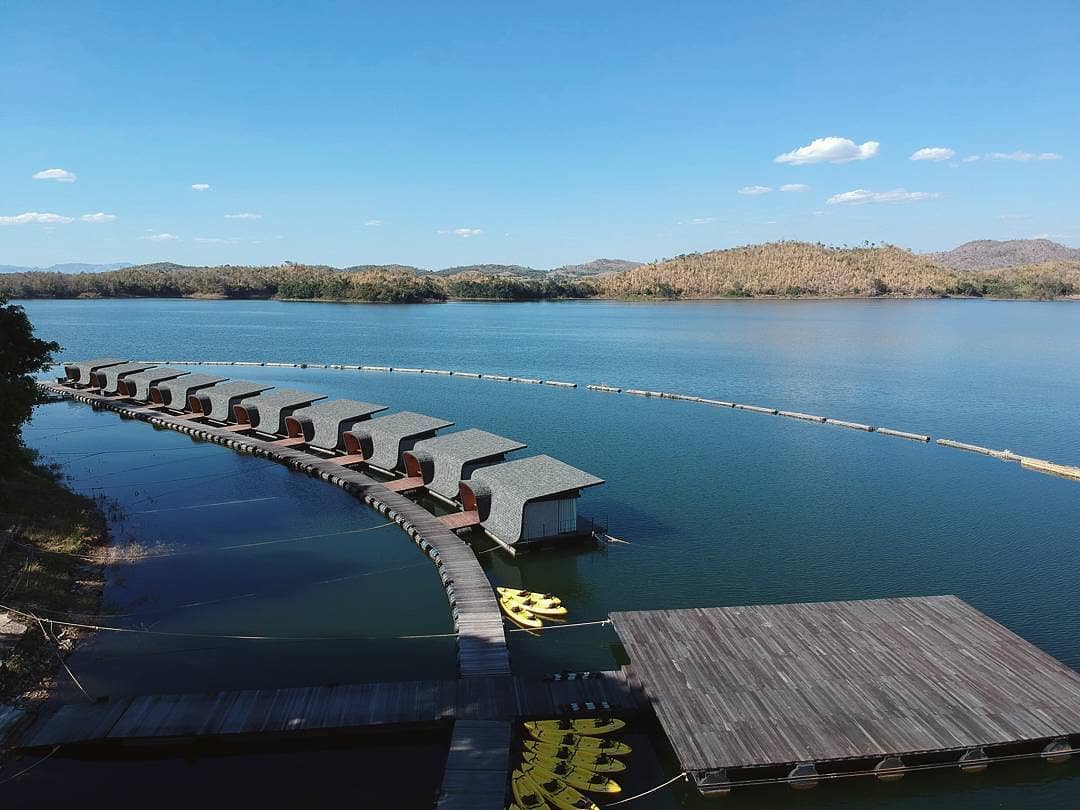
(804, 692)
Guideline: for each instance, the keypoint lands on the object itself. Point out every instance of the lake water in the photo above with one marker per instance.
(719, 507)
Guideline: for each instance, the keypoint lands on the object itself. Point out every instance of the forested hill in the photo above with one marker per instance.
(789, 269)
(805, 269)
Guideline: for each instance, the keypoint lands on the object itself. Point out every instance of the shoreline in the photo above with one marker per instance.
(603, 299)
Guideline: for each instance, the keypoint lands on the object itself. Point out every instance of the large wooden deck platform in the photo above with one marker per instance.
(835, 685)
(482, 649)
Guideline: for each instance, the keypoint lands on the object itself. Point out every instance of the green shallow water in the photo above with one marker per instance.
(718, 507)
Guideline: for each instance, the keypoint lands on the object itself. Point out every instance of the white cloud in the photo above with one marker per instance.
(829, 150)
(200, 186)
(245, 215)
(98, 217)
(214, 240)
(464, 233)
(161, 237)
(934, 153)
(1018, 157)
(59, 175)
(35, 218)
(1023, 157)
(754, 191)
(701, 220)
(794, 187)
(373, 223)
(861, 196)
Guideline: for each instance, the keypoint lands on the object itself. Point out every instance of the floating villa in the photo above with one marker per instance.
(137, 386)
(174, 393)
(440, 464)
(382, 442)
(216, 402)
(79, 373)
(267, 412)
(108, 378)
(324, 425)
(523, 502)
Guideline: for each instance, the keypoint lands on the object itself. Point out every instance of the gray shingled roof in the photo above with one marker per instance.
(446, 460)
(267, 411)
(390, 436)
(112, 374)
(324, 423)
(142, 380)
(512, 484)
(175, 393)
(217, 401)
(80, 371)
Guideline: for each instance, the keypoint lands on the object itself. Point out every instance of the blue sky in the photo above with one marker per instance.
(442, 134)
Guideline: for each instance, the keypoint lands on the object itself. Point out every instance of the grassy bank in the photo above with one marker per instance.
(50, 541)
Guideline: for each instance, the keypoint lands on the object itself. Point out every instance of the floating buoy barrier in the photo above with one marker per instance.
(436, 371)
(806, 417)
(901, 434)
(526, 380)
(407, 370)
(558, 384)
(607, 389)
(850, 425)
(1050, 468)
(719, 402)
(376, 368)
(1004, 455)
(754, 408)
(499, 377)
(475, 375)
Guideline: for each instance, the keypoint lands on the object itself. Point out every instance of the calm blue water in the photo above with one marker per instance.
(719, 507)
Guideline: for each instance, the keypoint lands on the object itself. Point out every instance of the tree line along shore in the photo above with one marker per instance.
(776, 269)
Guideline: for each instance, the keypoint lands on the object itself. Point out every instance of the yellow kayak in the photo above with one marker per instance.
(557, 791)
(589, 760)
(598, 745)
(575, 777)
(519, 615)
(526, 796)
(515, 593)
(591, 726)
(542, 607)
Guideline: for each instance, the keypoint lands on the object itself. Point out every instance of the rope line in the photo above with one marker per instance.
(252, 637)
(683, 775)
(30, 767)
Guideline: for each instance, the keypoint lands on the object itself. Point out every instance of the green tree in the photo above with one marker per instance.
(21, 356)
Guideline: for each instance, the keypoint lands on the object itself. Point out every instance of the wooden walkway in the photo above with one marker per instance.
(786, 686)
(477, 766)
(325, 709)
(481, 642)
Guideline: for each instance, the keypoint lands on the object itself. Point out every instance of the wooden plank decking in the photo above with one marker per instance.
(482, 647)
(324, 709)
(477, 766)
(777, 685)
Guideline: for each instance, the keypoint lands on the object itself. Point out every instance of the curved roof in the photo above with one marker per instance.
(221, 398)
(454, 453)
(389, 433)
(142, 380)
(329, 419)
(178, 390)
(112, 374)
(512, 484)
(268, 411)
(80, 370)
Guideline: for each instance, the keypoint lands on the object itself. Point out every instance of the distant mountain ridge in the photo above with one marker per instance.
(71, 267)
(991, 254)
